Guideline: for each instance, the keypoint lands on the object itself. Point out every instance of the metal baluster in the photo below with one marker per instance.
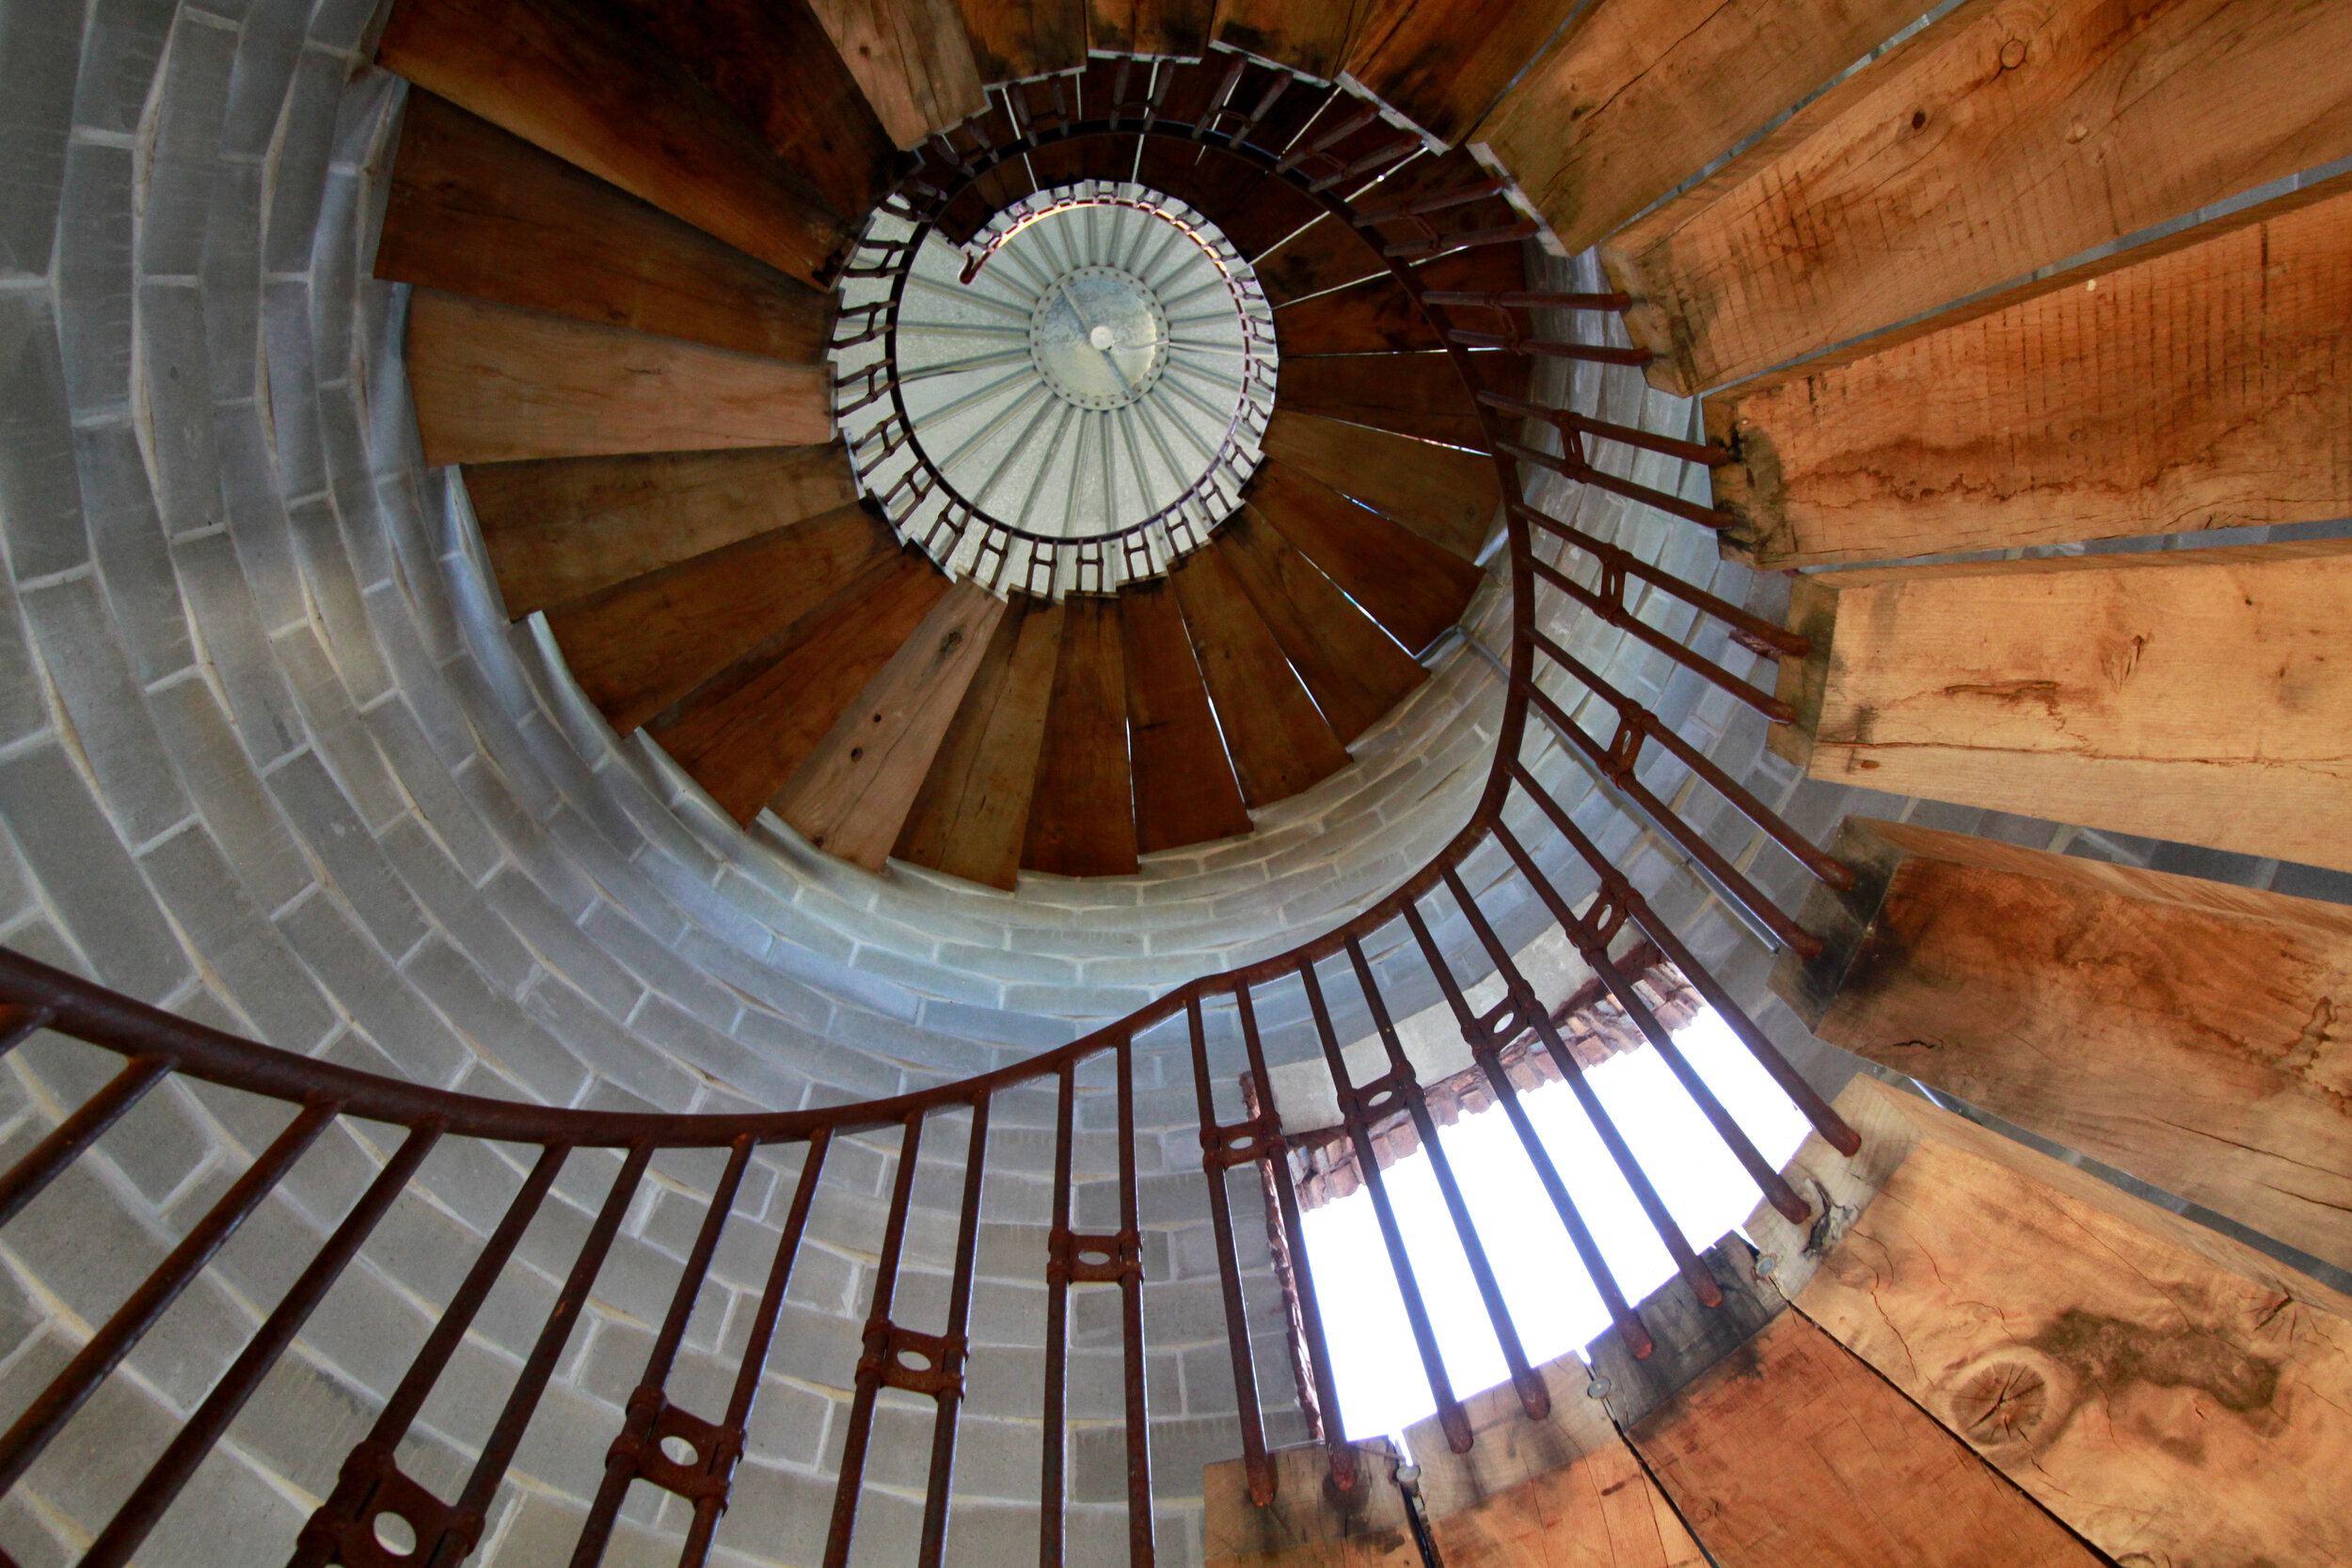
(878, 1350)
(69, 1138)
(947, 1368)
(1049, 1552)
(1216, 1148)
(1139, 1549)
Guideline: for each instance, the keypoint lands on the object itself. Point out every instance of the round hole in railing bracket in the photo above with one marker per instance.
(1094, 1256)
(677, 1451)
(394, 1534)
(914, 1361)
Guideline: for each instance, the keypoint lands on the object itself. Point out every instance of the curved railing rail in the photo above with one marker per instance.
(693, 1454)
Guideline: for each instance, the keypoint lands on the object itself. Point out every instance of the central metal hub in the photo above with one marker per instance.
(1099, 338)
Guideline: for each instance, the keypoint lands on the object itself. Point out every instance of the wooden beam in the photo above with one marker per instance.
(641, 645)
(2204, 381)
(585, 86)
(1992, 142)
(1179, 27)
(477, 211)
(912, 59)
(973, 810)
(493, 384)
(2172, 1395)
(2194, 695)
(2181, 1030)
(1447, 495)
(1082, 821)
(1442, 63)
(1413, 394)
(1185, 787)
(1279, 742)
(1309, 35)
(1637, 95)
(851, 794)
(563, 527)
(1410, 586)
(1354, 671)
(1015, 38)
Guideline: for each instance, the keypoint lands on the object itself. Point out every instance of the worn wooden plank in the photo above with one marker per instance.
(640, 646)
(912, 59)
(973, 810)
(474, 210)
(1326, 254)
(1413, 394)
(2201, 382)
(742, 734)
(563, 528)
(1410, 586)
(1082, 819)
(1310, 1523)
(1354, 671)
(2192, 695)
(1442, 63)
(1012, 39)
(1638, 95)
(1377, 316)
(1279, 742)
(1185, 792)
(1179, 27)
(2002, 138)
(1447, 495)
(1309, 35)
(2172, 1395)
(2052, 991)
(493, 384)
(583, 83)
(852, 794)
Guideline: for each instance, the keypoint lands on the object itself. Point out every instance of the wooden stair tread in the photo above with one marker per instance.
(972, 813)
(1177, 27)
(1410, 586)
(911, 58)
(1185, 792)
(1309, 35)
(1444, 63)
(1448, 495)
(1326, 254)
(1015, 38)
(1277, 739)
(1354, 671)
(1082, 812)
(1413, 394)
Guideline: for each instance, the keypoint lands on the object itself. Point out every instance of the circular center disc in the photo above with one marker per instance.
(1098, 337)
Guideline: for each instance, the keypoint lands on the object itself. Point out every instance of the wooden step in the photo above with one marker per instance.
(851, 794)
(1993, 143)
(1179, 27)
(1277, 739)
(1354, 671)
(1082, 819)
(641, 645)
(1185, 792)
(478, 211)
(1015, 38)
(972, 813)
(1447, 495)
(1326, 254)
(493, 384)
(743, 735)
(1413, 587)
(1309, 35)
(583, 83)
(911, 58)
(1413, 394)
(1444, 63)
(1377, 316)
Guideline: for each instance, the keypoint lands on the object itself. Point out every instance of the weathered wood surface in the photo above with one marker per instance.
(2172, 1395)
(1414, 394)
(641, 645)
(1328, 254)
(1637, 95)
(1151, 26)
(493, 384)
(1310, 1523)
(1014, 38)
(1442, 63)
(1410, 586)
(1354, 671)
(2003, 138)
(563, 528)
(1377, 316)
(851, 794)
(1309, 35)
(1688, 1338)
(1279, 742)
(1185, 787)
(581, 83)
(2204, 381)
(743, 733)
(1447, 495)
(771, 62)
(2185, 1031)
(912, 59)
(1082, 821)
(2192, 695)
(973, 810)
(477, 211)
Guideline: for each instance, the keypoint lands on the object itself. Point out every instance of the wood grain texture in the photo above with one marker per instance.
(641, 645)
(1309, 35)
(2053, 991)
(563, 527)
(742, 737)
(1442, 63)
(1377, 316)
(1309, 1524)
(2204, 381)
(1178, 27)
(1637, 95)
(973, 810)
(1354, 671)
(912, 59)
(1413, 394)
(480, 212)
(1014, 38)
(1082, 819)
(1326, 254)
(2005, 137)
(494, 384)
(1279, 742)
(2171, 1396)
(581, 83)
(1794, 1454)
(1447, 495)
(1185, 792)
(851, 796)
(2191, 695)
(1410, 586)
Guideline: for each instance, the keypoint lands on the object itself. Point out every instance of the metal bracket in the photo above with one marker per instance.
(1080, 1258)
(919, 1363)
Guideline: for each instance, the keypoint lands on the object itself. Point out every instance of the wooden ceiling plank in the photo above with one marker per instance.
(1185, 792)
(1278, 741)
(1448, 495)
(973, 812)
(1354, 670)
(1410, 586)
(1082, 819)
